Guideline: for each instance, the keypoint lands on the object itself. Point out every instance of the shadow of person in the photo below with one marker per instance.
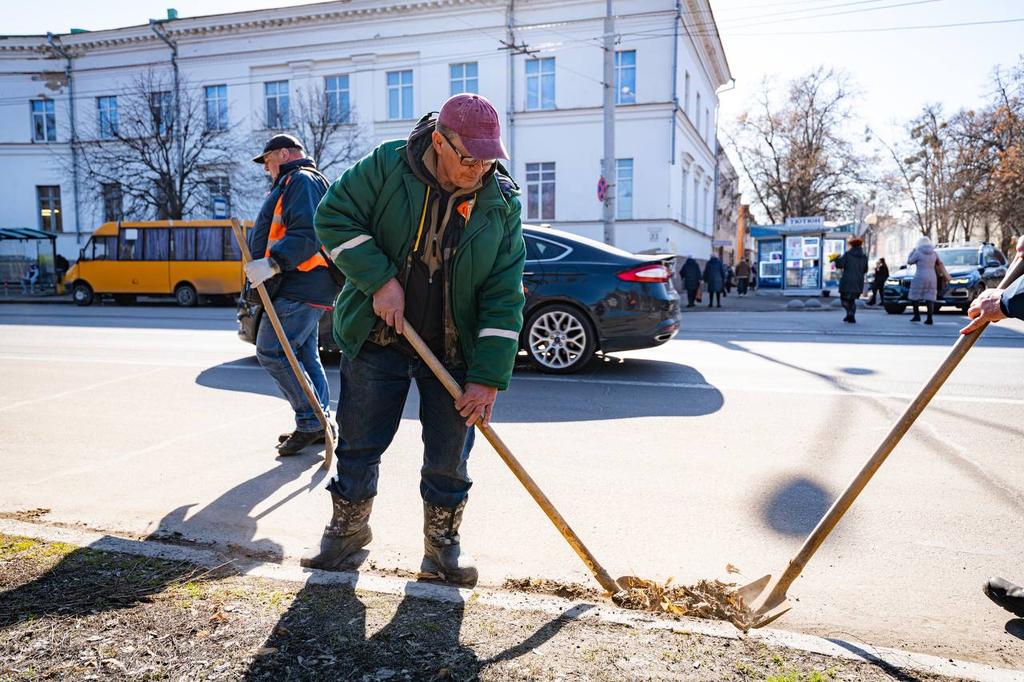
(795, 506)
(324, 636)
(87, 581)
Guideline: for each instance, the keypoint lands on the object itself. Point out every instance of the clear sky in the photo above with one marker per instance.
(897, 70)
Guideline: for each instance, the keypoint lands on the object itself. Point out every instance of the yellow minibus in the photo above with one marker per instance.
(186, 259)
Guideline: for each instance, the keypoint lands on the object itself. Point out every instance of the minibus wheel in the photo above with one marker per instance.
(186, 296)
(81, 294)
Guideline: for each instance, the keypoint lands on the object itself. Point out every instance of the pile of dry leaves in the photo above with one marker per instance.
(710, 599)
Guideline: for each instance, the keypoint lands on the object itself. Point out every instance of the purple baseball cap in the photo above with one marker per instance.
(475, 121)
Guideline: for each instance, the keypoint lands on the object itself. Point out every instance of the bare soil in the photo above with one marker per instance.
(82, 614)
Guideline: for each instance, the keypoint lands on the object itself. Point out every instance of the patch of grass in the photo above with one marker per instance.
(794, 676)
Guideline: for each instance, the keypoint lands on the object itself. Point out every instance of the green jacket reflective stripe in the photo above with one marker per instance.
(367, 222)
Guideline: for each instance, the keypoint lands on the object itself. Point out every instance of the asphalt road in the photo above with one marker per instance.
(725, 445)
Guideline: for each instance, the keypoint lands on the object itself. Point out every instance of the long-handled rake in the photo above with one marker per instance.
(268, 310)
(446, 379)
(766, 607)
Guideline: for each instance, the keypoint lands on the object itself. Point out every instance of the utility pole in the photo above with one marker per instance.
(608, 166)
(69, 74)
(158, 29)
(741, 232)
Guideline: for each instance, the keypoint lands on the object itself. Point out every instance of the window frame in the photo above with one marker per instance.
(401, 90)
(535, 84)
(541, 168)
(618, 188)
(48, 118)
(282, 120)
(107, 117)
(338, 113)
(464, 78)
(216, 95)
(53, 203)
(620, 72)
(566, 249)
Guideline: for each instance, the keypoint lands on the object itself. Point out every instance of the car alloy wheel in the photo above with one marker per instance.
(559, 339)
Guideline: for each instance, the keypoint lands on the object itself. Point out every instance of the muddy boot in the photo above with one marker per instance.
(347, 533)
(441, 552)
(1006, 594)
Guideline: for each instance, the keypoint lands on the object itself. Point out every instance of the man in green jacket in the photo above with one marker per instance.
(427, 231)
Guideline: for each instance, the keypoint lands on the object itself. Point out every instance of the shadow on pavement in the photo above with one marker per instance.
(118, 581)
(889, 669)
(608, 388)
(323, 636)
(796, 506)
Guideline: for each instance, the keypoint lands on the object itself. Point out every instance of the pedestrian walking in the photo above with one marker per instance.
(854, 264)
(923, 287)
(742, 277)
(993, 305)
(690, 274)
(295, 273)
(714, 278)
(427, 230)
(881, 274)
(730, 276)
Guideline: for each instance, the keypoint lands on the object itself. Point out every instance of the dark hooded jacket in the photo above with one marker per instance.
(302, 186)
(854, 264)
(714, 275)
(690, 274)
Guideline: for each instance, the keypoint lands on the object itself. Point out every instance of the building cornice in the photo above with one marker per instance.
(711, 43)
(233, 23)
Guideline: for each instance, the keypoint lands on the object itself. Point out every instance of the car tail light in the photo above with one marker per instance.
(648, 272)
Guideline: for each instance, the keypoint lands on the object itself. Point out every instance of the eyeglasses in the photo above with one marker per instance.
(467, 160)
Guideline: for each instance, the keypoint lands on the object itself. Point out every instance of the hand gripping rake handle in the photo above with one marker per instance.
(268, 310)
(606, 581)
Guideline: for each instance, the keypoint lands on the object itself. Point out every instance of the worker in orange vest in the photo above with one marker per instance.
(295, 273)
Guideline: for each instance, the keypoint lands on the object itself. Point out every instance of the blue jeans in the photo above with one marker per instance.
(374, 386)
(300, 323)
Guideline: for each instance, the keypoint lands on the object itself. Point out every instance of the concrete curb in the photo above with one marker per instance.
(599, 612)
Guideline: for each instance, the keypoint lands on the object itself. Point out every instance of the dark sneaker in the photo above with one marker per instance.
(300, 440)
(285, 436)
(1006, 594)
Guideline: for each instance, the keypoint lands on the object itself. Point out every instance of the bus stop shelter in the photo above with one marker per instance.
(20, 247)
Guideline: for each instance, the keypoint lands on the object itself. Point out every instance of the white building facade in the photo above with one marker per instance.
(392, 63)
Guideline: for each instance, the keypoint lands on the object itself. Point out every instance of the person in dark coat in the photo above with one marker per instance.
(714, 277)
(854, 264)
(878, 280)
(742, 276)
(690, 274)
(730, 276)
(993, 305)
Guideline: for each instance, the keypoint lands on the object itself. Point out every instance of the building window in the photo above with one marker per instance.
(623, 189)
(276, 95)
(708, 218)
(107, 107)
(113, 202)
(216, 107)
(540, 83)
(696, 203)
(697, 114)
(219, 189)
(48, 198)
(682, 203)
(707, 126)
(44, 121)
(625, 77)
(162, 112)
(399, 95)
(339, 106)
(686, 95)
(540, 191)
(464, 78)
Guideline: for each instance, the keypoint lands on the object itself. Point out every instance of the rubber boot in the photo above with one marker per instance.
(917, 314)
(1006, 594)
(441, 552)
(347, 533)
(931, 307)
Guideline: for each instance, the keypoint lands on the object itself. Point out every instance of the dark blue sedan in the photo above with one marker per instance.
(582, 297)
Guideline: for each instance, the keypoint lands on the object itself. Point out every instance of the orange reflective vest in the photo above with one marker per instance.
(278, 230)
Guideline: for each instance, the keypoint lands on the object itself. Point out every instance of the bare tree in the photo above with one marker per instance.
(325, 124)
(159, 154)
(797, 154)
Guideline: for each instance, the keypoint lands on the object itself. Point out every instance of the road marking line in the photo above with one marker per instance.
(80, 389)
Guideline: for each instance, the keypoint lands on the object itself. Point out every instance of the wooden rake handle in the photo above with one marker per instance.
(446, 379)
(275, 322)
(963, 344)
